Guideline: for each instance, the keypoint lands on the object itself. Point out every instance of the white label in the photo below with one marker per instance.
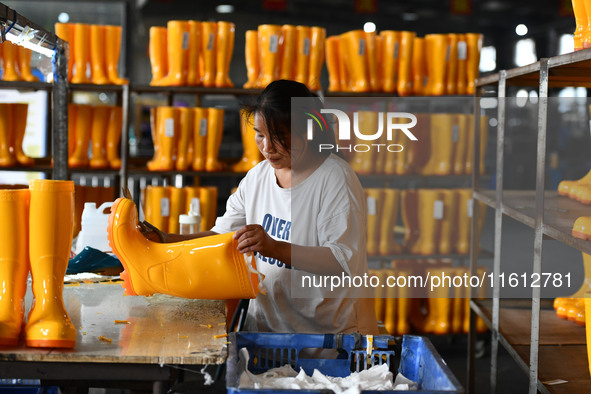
(470, 207)
(169, 127)
(273, 43)
(438, 210)
(462, 50)
(210, 41)
(164, 207)
(371, 206)
(395, 50)
(203, 127)
(306, 46)
(362, 47)
(185, 41)
(195, 206)
(455, 133)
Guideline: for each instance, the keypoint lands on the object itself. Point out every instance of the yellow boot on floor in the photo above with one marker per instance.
(204, 268)
(51, 216)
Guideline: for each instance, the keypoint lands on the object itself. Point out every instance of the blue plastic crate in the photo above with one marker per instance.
(419, 359)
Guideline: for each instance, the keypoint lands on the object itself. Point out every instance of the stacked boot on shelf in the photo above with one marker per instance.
(13, 124)
(192, 53)
(100, 125)
(94, 53)
(275, 52)
(573, 308)
(399, 62)
(16, 63)
(582, 34)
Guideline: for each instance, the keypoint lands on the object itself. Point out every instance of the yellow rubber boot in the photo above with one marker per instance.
(157, 205)
(302, 59)
(474, 43)
(418, 153)
(353, 54)
(204, 268)
(167, 130)
(193, 72)
(177, 207)
(390, 306)
(191, 196)
(419, 65)
(208, 199)
(404, 86)
(440, 161)
(582, 228)
(436, 64)
(14, 261)
(368, 122)
(83, 125)
(81, 52)
(460, 140)
(462, 64)
(112, 53)
(100, 117)
(430, 215)
(24, 64)
(374, 203)
(371, 62)
(224, 51)
(483, 140)
(380, 59)
(251, 57)
(178, 46)
(410, 219)
(287, 52)
(346, 82)
(158, 54)
(468, 164)
(185, 131)
(564, 187)
(65, 31)
(451, 73)
(9, 59)
(208, 52)
(449, 222)
(51, 219)
(389, 63)
(389, 219)
(581, 21)
(441, 308)
(317, 42)
(97, 55)
(215, 122)
(19, 126)
(251, 156)
(200, 131)
(464, 223)
(114, 137)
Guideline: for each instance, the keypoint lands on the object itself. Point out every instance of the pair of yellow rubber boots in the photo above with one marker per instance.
(101, 125)
(205, 268)
(13, 123)
(17, 63)
(284, 52)
(97, 46)
(573, 308)
(37, 235)
(192, 53)
(382, 215)
(579, 190)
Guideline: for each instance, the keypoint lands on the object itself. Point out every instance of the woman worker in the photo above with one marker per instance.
(301, 211)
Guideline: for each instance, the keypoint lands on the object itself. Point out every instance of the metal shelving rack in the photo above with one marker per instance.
(541, 353)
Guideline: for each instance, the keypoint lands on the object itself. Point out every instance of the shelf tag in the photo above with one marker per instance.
(169, 127)
(362, 47)
(164, 207)
(395, 50)
(455, 133)
(185, 41)
(438, 210)
(203, 127)
(371, 206)
(462, 50)
(306, 46)
(210, 41)
(470, 207)
(273, 43)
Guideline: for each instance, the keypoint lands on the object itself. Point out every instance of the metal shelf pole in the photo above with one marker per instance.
(60, 112)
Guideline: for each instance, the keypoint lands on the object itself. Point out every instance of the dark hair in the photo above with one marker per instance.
(274, 104)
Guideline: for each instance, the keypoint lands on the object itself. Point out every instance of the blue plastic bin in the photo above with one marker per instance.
(420, 361)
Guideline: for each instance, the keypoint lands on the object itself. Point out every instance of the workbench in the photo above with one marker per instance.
(124, 341)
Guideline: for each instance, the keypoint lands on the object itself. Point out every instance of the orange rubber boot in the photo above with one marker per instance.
(24, 64)
(581, 21)
(430, 215)
(200, 128)
(65, 31)
(346, 82)
(287, 52)
(225, 49)
(564, 187)
(19, 126)
(112, 52)
(436, 64)
(419, 65)
(374, 201)
(251, 57)
(100, 117)
(371, 62)
(14, 261)
(404, 87)
(251, 156)
(468, 164)
(157, 206)
(451, 73)
(353, 54)
(51, 220)
(410, 219)
(582, 228)
(167, 130)
(185, 131)
(158, 53)
(83, 125)
(317, 42)
(204, 268)
(193, 72)
(177, 207)
(208, 200)
(441, 159)
(81, 52)
(462, 64)
(474, 43)
(390, 207)
(379, 293)
(457, 312)
(449, 223)
(97, 55)
(460, 140)
(418, 153)
(114, 137)
(178, 46)
(464, 212)
(302, 58)
(10, 57)
(390, 53)
(208, 52)
(215, 121)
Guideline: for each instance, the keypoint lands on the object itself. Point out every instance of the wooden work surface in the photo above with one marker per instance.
(152, 330)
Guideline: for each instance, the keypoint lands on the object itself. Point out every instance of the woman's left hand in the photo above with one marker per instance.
(254, 238)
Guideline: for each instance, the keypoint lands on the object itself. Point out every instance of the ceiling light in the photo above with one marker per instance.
(521, 29)
(63, 17)
(224, 9)
(369, 27)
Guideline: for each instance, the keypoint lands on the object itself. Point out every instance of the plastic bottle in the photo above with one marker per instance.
(191, 223)
(94, 228)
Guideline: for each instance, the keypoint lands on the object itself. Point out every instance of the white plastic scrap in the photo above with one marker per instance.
(377, 377)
